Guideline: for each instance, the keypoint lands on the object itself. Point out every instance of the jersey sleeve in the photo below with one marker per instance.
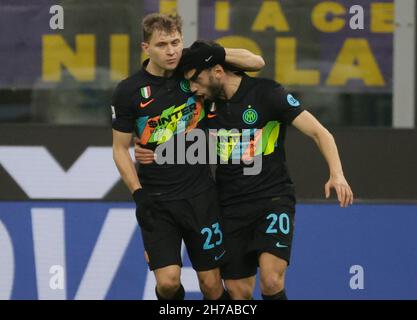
(282, 104)
(123, 117)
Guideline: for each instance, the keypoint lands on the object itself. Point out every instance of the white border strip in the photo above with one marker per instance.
(404, 68)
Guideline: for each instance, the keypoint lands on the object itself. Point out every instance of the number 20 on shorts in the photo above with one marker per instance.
(282, 220)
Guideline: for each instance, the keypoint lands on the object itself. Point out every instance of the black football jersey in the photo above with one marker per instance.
(160, 111)
(251, 126)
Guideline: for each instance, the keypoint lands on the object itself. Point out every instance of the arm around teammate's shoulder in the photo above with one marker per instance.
(244, 59)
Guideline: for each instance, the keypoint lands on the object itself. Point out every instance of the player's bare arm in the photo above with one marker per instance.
(311, 127)
(244, 59)
(124, 163)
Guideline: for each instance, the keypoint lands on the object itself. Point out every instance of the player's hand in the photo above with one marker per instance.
(144, 204)
(204, 54)
(207, 49)
(343, 190)
(143, 155)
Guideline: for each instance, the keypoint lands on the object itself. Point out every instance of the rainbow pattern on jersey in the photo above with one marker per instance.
(173, 120)
(247, 143)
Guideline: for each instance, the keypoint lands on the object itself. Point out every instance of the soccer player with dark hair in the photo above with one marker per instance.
(174, 202)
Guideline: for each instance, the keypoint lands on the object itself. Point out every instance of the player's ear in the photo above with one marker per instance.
(217, 71)
(145, 47)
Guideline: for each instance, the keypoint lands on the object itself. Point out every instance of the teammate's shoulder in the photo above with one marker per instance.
(130, 82)
(266, 83)
(264, 86)
(126, 89)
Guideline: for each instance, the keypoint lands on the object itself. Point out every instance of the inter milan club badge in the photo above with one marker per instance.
(185, 86)
(145, 92)
(250, 116)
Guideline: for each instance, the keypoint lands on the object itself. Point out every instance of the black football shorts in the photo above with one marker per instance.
(196, 220)
(251, 228)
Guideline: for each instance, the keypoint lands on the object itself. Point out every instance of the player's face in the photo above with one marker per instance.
(164, 49)
(205, 85)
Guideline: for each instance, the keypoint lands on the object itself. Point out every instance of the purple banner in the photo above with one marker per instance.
(22, 24)
(310, 44)
(306, 44)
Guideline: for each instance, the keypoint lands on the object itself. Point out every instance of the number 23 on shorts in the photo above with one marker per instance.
(212, 232)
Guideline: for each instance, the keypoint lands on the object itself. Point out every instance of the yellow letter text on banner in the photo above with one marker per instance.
(222, 16)
(80, 62)
(355, 61)
(270, 16)
(286, 71)
(320, 13)
(119, 56)
(382, 17)
(168, 6)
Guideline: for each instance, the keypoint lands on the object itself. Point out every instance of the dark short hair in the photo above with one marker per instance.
(161, 22)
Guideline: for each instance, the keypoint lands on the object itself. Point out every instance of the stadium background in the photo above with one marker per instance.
(67, 227)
